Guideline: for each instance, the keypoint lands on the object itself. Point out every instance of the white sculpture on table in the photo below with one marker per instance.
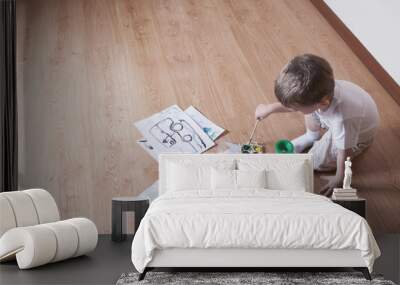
(347, 174)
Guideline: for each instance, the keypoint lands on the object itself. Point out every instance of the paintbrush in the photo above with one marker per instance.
(253, 131)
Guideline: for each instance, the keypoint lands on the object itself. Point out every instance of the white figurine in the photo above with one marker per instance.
(347, 174)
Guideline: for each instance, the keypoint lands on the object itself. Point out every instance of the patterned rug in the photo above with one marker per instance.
(243, 278)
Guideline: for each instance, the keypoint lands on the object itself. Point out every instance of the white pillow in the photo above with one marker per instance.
(223, 179)
(291, 179)
(189, 174)
(181, 177)
(236, 179)
(281, 174)
(251, 179)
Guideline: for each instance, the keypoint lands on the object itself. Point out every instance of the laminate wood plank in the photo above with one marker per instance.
(89, 69)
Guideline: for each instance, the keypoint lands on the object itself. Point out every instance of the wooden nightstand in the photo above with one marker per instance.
(358, 206)
(126, 204)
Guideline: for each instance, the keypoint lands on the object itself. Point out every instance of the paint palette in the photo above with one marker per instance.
(252, 148)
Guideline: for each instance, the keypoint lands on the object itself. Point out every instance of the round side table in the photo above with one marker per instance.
(126, 204)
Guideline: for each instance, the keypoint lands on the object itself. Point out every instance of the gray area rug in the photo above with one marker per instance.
(231, 278)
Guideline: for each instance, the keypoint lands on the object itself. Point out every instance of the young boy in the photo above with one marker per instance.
(347, 112)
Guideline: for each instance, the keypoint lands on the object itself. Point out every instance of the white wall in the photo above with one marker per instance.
(376, 23)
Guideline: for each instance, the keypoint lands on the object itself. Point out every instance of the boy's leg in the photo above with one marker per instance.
(324, 153)
(312, 133)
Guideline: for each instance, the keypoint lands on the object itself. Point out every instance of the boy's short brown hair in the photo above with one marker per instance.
(304, 81)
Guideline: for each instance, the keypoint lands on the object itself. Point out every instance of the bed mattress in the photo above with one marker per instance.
(250, 219)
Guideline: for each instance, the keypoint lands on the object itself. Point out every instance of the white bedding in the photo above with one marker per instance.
(251, 218)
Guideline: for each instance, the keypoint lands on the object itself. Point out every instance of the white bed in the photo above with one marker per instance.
(201, 220)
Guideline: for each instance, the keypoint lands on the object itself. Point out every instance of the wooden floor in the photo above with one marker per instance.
(89, 69)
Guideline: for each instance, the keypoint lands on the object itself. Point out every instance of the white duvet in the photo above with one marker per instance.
(250, 219)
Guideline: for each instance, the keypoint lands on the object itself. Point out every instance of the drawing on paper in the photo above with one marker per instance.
(172, 130)
(169, 133)
(211, 129)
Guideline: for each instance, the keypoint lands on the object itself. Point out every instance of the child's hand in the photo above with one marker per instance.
(333, 182)
(262, 111)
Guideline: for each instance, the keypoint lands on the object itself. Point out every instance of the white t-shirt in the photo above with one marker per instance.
(352, 117)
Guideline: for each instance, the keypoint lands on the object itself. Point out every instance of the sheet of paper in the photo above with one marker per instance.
(150, 192)
(233, 148)
(172, 130)
(211, 129)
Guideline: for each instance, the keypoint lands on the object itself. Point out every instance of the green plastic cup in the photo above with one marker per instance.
(284, 146)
